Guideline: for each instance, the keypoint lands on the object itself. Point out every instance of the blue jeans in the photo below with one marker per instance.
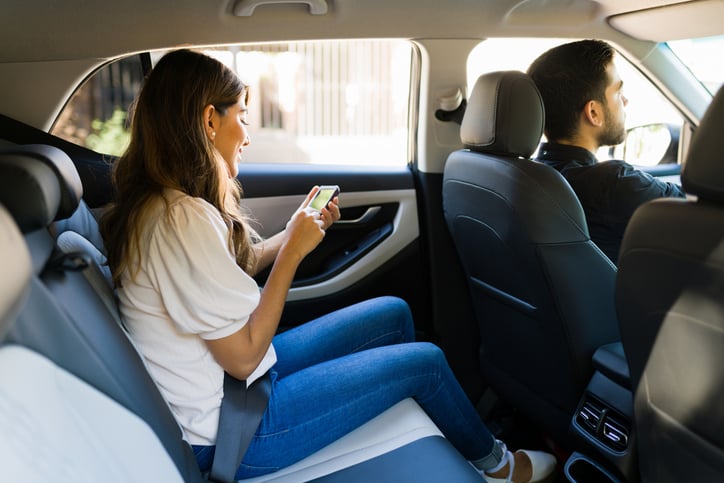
(337, 372)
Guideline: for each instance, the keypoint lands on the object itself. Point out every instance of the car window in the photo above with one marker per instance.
(704, 57)
(96, 114)
(340, 102)
(658, 122)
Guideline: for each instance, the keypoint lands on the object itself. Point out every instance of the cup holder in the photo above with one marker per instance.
(581, 469)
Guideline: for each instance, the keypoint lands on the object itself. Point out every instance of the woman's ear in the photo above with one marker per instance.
(209, 117)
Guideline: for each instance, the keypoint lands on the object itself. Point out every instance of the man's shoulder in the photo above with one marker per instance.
(624, 169)
(616, 165)
(565, 156)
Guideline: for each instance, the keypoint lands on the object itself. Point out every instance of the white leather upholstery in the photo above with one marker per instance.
(403, 423)
(57, 428)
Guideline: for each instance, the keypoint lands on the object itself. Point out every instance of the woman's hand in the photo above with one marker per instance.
(329, 214)
(306, 228)
(304, 231)
(267, 250)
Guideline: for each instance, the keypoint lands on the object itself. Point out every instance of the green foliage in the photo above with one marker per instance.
(110, 136)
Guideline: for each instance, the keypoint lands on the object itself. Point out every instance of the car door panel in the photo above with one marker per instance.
(375, 225)
(373, 250)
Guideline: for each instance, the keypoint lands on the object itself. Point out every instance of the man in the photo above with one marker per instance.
(584, 110)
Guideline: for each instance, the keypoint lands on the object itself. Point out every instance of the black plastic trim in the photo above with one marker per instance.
(610, 360)
(260, 180)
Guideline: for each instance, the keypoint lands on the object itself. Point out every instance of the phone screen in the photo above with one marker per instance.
(324, 196)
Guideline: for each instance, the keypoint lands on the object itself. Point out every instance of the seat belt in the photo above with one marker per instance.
(241, 411)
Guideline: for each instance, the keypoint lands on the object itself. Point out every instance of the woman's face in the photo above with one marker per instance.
(230, 134)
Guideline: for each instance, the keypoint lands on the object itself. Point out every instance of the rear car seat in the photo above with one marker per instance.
(64, 318)
(54, 426)
(70, 319)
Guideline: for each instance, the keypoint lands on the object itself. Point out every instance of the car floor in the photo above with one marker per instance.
(509, 425)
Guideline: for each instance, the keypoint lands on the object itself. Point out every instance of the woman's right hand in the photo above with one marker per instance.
(304, 231)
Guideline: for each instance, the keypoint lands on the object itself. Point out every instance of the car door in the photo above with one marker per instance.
(374, 249)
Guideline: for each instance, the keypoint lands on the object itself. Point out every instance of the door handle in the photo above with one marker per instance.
(366, 217)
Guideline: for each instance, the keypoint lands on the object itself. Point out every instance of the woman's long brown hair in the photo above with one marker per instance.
(169, 148)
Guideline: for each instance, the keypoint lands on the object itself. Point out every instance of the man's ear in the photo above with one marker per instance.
(209, 117)
(593, 112)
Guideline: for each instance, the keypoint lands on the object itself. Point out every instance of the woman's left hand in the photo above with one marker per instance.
(330, 214)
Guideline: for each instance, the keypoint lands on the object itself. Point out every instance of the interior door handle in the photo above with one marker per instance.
(366, 216)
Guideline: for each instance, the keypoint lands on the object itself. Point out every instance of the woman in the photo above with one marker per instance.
(182, 256)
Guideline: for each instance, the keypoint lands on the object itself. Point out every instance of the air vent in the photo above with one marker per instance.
(615, 433)
(604, 424)
(590, 416)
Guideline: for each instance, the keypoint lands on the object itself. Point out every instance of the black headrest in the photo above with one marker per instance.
(15, 270)
(505, 115)
(38, 184)
(703, 172)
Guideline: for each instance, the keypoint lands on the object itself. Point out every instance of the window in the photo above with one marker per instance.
(95, 116)
(704, 58)
(646, 107)
(342, 102)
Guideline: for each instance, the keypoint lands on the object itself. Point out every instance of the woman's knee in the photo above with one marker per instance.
(397, 309)
(431, 353)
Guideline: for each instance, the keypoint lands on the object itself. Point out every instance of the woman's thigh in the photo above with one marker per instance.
(372, 323)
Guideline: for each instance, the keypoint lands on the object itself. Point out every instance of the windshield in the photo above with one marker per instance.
(704, 57)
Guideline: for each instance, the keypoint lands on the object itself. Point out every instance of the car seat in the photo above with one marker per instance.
(541, 290)
(670, 301)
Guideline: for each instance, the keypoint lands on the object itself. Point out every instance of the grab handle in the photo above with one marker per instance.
(245, 8)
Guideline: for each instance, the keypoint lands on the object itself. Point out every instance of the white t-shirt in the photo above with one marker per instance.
(188, 288)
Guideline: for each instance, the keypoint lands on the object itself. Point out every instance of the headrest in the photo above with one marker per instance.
(703, 172)
(505, 115)
(38, 184)
(15, 267)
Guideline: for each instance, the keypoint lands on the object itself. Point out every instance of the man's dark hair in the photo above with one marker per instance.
(568, 76)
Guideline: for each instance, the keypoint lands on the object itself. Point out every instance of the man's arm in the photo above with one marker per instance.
(635, 187)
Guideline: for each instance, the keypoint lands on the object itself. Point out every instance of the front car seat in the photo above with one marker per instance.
(670, 301)
(541, 290)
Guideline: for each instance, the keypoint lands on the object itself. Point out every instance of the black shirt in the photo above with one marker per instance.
(609, 191)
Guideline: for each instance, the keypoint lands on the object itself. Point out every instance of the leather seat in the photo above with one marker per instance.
(541, 290)
(17, 267)
(670, 300)
(64, 319)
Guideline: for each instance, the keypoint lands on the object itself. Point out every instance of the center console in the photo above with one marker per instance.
(603, 423)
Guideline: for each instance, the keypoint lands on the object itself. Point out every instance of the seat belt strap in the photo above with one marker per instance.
(241, 411)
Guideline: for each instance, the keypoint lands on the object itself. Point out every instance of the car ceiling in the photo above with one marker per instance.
(34, 30)
(49, 47)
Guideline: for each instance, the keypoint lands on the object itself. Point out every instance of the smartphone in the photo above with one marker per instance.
(325, 194)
